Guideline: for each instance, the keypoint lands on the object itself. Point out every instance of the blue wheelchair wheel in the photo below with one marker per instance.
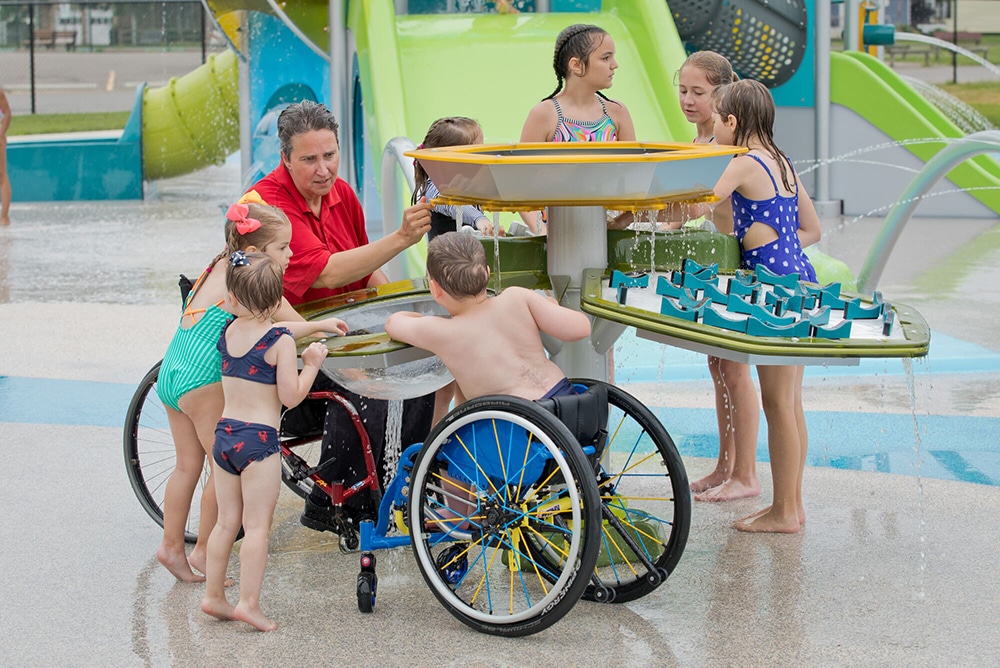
(495, 474)
(646, 505)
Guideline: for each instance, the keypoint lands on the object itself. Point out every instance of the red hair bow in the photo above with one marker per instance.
(238, 213)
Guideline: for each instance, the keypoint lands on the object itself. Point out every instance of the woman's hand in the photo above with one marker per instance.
(486, 227)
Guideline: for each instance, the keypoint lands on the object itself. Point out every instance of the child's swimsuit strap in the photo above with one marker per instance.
(769, 174)
(777, 193)
(194, 288)
(559, 115)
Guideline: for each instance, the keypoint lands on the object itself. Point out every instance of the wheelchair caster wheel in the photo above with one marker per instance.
(367, 587)
(367, 562)
(349, 542)
(453, 563)
(604, 595)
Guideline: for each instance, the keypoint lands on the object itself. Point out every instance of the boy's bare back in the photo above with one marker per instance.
(493, 345)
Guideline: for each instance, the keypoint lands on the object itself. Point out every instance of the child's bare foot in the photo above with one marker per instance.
(177, 564)
(218, 608)
(254, 618)
(197, 559)
(768, 522)
(713, 479)
(4, 221)
(800, 512)
(728, 491)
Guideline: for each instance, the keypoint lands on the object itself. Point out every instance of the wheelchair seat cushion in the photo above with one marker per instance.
(585, 414)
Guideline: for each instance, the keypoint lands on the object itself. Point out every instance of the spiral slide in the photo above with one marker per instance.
(193, 121)
(190, 123)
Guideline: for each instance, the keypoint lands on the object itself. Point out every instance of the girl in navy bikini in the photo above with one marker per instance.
(259, 375)
(773, 219)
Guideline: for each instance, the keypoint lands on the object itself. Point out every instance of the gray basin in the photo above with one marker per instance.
(620, 175)
(367, 361)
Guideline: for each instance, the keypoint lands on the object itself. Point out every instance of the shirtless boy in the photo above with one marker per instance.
(491, 345)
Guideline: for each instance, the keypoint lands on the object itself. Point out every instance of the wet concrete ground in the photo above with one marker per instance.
(890, 569)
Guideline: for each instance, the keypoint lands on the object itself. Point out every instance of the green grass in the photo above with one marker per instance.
(983, 96)
(39, 124)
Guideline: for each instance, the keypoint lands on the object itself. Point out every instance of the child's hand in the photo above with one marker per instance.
(314, 354)
(486, 227)
(333, 326)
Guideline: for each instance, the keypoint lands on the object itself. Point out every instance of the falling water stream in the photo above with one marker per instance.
(942, 44)
(920, 593)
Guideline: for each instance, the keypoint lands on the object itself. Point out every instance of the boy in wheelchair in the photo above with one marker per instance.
(490, 345)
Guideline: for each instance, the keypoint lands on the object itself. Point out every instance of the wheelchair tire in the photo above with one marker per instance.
(150, 456)
(497, 467)
(367, 587)
(646, 504)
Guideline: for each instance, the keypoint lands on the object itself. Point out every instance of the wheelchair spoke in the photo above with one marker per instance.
(499, 481)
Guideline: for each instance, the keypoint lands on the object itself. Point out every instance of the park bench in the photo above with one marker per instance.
(974, 37)
(50, 39)
(903, 50)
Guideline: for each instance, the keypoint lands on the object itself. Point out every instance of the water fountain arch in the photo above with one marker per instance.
(935, 169)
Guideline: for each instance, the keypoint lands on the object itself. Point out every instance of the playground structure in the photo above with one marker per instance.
(516, 509)
(385, 61)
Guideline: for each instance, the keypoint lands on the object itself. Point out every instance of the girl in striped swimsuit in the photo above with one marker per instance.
(189, 382)
(584, 63)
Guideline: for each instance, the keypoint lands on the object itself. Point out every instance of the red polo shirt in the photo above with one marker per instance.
(339, 227)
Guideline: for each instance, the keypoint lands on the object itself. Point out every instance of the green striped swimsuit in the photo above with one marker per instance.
(192, 359)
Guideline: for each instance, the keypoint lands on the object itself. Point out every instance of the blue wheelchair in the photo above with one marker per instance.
(517, 509)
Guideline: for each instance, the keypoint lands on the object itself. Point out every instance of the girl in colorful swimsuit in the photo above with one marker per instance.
(584, 63)
(737, 408)
(259, 375)
(189, 378)
(773, 219)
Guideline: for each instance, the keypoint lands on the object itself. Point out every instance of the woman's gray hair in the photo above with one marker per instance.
(301, 117)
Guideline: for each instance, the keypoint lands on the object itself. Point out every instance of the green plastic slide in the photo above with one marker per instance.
(495, 67)
(193, 121)
(871, 89)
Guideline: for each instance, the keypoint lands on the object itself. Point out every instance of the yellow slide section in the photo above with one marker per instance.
(193, 121)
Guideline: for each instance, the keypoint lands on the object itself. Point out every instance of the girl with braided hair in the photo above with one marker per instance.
(584, 63)
(577, 110)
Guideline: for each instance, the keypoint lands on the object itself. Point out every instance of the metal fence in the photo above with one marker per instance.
(77, 57)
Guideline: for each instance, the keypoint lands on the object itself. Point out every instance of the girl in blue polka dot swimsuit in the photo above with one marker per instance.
(773, 220)
(784, 255)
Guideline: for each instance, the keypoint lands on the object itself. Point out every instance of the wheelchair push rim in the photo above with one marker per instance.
(498, 468)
